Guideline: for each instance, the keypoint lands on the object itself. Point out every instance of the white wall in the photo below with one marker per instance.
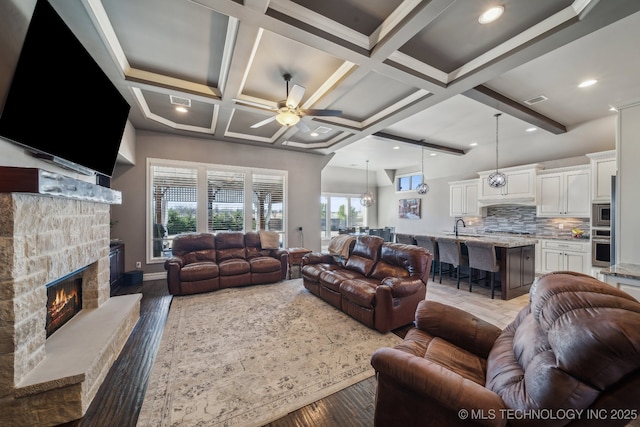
(303, 186)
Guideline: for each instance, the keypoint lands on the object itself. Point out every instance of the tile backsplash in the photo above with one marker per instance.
(523, 219)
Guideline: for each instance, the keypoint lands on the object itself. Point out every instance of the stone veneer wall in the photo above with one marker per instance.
(43, 238)
(523, 219)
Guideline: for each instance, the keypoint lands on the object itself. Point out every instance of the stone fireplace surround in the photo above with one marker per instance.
(51, 381)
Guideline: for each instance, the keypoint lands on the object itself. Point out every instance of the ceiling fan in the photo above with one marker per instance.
(289, 112)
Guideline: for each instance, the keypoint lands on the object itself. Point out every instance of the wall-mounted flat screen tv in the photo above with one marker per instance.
(60, 103)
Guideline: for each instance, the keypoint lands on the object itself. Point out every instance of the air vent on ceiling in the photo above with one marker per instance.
(535, 99)
(322, 129)
(176, 100)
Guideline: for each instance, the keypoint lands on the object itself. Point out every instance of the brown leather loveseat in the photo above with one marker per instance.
(570, 358)
(379, 284)
(204, 262)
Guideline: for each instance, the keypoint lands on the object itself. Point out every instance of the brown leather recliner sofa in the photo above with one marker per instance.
(379, 284)
(204, 262)
(570, 358)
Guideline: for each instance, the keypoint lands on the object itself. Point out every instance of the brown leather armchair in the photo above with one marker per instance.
(192, 268)
(570, 358)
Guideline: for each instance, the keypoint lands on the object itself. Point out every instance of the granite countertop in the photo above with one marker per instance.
(630, 271)
(502, 241)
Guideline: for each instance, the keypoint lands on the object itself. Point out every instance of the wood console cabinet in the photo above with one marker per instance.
(116, 263)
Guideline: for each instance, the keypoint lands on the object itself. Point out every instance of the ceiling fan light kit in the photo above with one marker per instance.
(289, 112)
(497, 179)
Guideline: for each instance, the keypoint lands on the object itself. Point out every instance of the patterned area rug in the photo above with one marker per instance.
(248, 356)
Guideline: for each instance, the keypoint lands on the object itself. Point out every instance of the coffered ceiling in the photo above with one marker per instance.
(412, 72)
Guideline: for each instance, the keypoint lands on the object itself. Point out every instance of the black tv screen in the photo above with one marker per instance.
(60, 102)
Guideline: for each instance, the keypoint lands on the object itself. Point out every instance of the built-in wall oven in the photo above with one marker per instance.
(601, 215)
(601, 247)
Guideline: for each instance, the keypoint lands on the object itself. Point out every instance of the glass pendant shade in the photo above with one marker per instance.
(366, 199)
(497, 179)
(423, 188)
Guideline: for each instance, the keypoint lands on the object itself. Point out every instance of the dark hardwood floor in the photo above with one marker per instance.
(120, 396)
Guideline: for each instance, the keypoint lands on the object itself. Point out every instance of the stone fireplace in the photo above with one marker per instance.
(45, 237)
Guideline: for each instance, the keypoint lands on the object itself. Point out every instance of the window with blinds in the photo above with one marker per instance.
(267, 192)
(186, 196)
(174, 205)
(225, 201)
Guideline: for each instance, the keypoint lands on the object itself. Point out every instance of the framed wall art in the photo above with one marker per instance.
(409, 208)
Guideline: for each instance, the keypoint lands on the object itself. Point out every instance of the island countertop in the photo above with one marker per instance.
(498, 240)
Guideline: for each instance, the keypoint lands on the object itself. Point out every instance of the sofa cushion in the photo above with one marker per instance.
(313, 271)
(365, 254)
(333, 278)
(361, 292)
(230, 245)
(199, 271)
(194, 242)
(234, 266)
(264, 264)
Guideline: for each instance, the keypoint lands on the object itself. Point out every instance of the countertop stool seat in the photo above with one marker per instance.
(406, 239)
(482, 256)
(429, 243)
(450, 252)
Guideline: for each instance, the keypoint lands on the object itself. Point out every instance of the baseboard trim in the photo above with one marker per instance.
(154, 276)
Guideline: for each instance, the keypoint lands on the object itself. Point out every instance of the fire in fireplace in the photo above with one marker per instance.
(64, 300)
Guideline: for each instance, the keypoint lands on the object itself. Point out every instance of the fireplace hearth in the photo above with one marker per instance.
(64, 300)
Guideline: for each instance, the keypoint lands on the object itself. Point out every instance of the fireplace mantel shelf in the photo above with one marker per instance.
(40, 181)
(76, 352)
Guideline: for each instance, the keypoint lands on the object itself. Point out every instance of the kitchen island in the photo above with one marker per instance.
(516, 257)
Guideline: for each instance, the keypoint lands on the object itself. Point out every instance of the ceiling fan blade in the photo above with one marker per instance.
(254, 104)
(336, 113)
(264, 122)
(295, 96)
(302, 126)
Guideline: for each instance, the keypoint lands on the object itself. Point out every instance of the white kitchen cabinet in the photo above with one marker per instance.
(603, 167)
(626, 284)
(564, 192)
(463, 198)
(520, 187)
(559, 255)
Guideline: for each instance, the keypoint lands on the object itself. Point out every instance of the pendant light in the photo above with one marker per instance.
(497, 179)
(366, 199)
(423, 188)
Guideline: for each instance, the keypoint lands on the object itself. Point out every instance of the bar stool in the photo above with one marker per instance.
(482, 256)
(429, 243)
(406, 239)
(451, 253)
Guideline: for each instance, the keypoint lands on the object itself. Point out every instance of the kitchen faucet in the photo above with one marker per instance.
(455, 227)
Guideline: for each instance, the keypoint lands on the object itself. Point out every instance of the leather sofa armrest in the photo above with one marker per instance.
(317, 258)
(457, 327)
(436, 383)
(173, 261)
(283, 256)
(402, 287)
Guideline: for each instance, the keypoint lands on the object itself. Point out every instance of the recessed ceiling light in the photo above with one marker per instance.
(612, 108)
(491, 14)
(181, 109)
(473, 144)
(396, 148)
(314, 134)
(531, 129)
(588, 83)
(433, 154)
